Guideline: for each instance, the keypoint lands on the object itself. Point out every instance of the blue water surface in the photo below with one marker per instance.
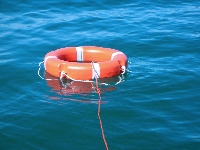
(155, 107)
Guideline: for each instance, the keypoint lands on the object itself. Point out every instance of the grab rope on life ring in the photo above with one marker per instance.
(85, 63)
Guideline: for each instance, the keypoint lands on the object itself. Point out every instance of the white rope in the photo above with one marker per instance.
(120, 80)
(64, 74)
(39, 72)
(104, 84)
(95, 70)
(123, 70)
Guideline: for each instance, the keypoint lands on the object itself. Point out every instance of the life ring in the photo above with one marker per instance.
(85, 63)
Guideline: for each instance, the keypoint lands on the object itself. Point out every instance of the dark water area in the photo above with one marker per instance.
(155, 107)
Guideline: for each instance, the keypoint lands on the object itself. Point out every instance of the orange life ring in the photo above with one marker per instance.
(76, 62)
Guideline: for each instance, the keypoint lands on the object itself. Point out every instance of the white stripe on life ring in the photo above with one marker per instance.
(46, 58)
(79, 53)
(95, 70)
(114, 54)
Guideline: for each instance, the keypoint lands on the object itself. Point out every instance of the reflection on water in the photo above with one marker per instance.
(78, 91)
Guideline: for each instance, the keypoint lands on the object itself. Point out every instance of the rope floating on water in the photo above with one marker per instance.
(99, 109)
(96, 89)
